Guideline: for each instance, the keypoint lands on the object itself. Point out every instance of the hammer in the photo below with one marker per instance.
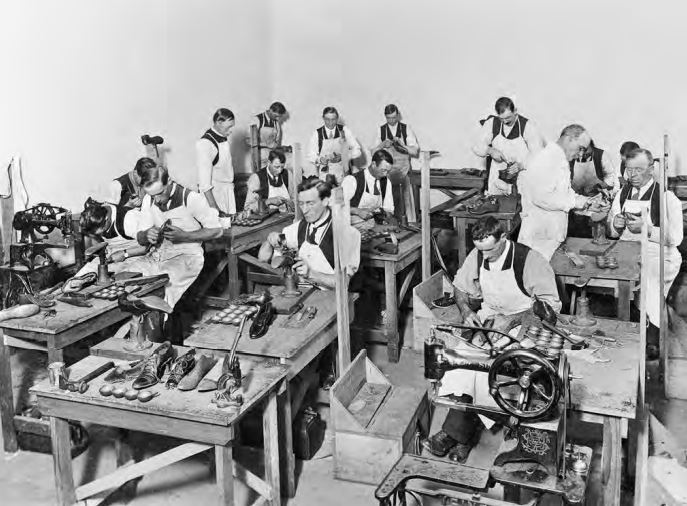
(81, 385)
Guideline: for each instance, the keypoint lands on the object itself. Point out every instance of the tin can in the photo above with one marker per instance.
(55, 372)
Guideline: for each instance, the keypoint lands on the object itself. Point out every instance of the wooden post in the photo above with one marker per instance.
(340, 221)
(424, 214)
(296, 177)
(255, 147)
(663, 327)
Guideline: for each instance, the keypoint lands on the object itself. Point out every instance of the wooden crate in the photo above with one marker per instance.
(424, 314)
(374, 421)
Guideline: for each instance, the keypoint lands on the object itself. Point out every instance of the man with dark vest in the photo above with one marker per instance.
(269, 130)
(370, 189)
(214, 164)
(642, 192)
(507, 276)
(593, 169)
(126, 189)
(505, 141)
(313, 237)
(270, 184)
(327, 145)
(397, 138)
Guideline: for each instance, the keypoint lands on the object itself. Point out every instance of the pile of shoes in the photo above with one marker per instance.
(484, 204)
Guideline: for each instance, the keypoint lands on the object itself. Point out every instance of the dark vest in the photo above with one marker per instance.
(117, 226)
(216, 139)
(360, 188)
(597, 155)
(265, 121)
(128, 189)
(178, 198)
(516, 257)
(322, 135)
(326, 245)
(264, 190)
(518, 130)
(385, 132)
(653, 193)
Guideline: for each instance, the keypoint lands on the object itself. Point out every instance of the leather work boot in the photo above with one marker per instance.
(439, 444)
(154, 366)
(203, 365)
(180, 368)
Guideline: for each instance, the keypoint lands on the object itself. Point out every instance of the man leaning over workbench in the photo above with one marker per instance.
(507, 276)
(642, 192)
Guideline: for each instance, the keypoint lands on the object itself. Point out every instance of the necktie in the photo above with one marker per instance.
(376, 188)
(635, 194)
(276, 181)
(313, 229)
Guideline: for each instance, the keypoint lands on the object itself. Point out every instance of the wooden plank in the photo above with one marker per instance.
(62, 461)
(350, 381)
(367, 402)
(641, 467)
(424, 214)
(24, 344)
(270, 431)
(663, 327)
(254, 148)
(287, 460)
(391, 318)
(454, 201)
(224, 474)
(296, 179)
(9, 437)
(340, 221)
(611, 454)
(124, 474)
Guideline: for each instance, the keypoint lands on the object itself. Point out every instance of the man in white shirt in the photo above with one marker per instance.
(642, 192)
(214, 164)
(505, 141)
(270, 184)
(328, 143)
(192, 221)
(546, 194)
(270, 130)
(397, 138)
(370, 189)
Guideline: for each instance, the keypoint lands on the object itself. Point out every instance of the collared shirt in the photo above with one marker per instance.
(388, 199)
(537, 276)
(351, 142)
(532, 137)
(411, 139)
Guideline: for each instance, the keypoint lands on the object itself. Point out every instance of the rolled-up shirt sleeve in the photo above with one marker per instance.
(146, 218)
(205, 154)
(533, 137)
(350, 250)
(313, 149)
(207, 216)
(352, 143)
(411, 138)
(540, 281)
(114, 192)
(252, 186)
(484, 139)
(467, 277)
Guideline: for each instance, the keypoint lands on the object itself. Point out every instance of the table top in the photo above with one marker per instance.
(449, 178)
(69, 316)
(260, 377)
(627, 253)
(508, 208)
(277, 218)
(412, 243)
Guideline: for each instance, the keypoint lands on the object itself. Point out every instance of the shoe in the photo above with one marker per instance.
(486, 206)
(180, 368)
(459, 453)
(203, 365)
(154, 366)
(439, 444)
(138, 306)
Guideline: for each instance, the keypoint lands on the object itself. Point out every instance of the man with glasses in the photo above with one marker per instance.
(546, 194)
(314, 239)
(641, 192)
(505, 141)
(507, 276)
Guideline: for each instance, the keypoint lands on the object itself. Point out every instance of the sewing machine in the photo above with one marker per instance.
(530, 388)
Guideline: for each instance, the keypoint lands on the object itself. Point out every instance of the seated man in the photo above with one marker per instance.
(192, 221)
(507, 276)
(270, 184)
(642, 192)
(313, 237)
(370, 189)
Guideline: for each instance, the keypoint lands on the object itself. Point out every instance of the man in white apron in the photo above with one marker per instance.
(270, 130)
(591, 169)
(327, 145)
(507, 276)
(180, 255)
(642, 192)
(505, 141)
(314, 239)
(546, 194)
(270, 184)
(370, 189)
(214, 165)
(398, 139)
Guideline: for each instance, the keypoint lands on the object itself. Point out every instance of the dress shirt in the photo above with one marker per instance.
(411, 139)
(351, 142)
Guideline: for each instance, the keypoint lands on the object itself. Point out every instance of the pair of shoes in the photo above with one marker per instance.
(154, 366)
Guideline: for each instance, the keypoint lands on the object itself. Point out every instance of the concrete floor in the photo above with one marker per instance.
(26, 478)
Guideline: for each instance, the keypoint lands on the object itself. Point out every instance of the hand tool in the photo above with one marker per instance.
(81, 385)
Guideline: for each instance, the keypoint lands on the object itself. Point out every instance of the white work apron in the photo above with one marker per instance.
(514, 150)
(672, 262)
(584, 176)
(270, 138)
(223, 180)
(312, 255)
(276, 192)
(330, 147)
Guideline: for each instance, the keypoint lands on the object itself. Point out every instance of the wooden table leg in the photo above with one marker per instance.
(391, 320)
(62, 461)
(9, 436)
(234, 285)
(270, 432)
(624, 293)
(460, 227)
(55, 354)
(287, 460)
(611, 460)
(225, 474)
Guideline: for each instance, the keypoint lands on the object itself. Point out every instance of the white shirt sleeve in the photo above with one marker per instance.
(199, 208)
(352, 143)
(611, 175)
(484, 139)
(146, 218)
(411, 137)
(348, 185)
(132, 223)
(114, 192)
(615, 211)
(291, 233)
(674, 227)
(205, 154)
(313, 149)
(533, 137)
(350, 253)
(252, 186)
(549, 187)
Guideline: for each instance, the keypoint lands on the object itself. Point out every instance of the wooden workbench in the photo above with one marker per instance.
(184, 415)
(409, 253)
(621, 279)
(68, 326)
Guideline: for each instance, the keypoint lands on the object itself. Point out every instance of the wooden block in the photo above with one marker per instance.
(367, 402)
(424, 314)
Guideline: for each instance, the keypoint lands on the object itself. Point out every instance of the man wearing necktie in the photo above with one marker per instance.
(639, 193)
(270, 184)
(370, 189)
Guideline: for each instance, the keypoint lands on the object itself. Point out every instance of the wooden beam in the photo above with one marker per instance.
(224, 474)
(663, 327)
(424, 213)
(642, 458)
(9, 436)
(255, 148)
(295, 180)
(24, 344)
(62, 462)
(340, 221)
(270, 432)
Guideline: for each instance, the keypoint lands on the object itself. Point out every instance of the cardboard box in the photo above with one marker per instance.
(425, 314)
(374, 422)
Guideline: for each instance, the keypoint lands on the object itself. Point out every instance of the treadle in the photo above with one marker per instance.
(413, 467)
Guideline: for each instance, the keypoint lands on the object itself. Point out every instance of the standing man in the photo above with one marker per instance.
(592, 169)
(214, 165)
(270, 184)
(192, 221)
(643, 192)
(546, 194)
(398, 139)
(270, 130)
(505, 141)
(370, 189)
(126, 190)
(328, 143)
